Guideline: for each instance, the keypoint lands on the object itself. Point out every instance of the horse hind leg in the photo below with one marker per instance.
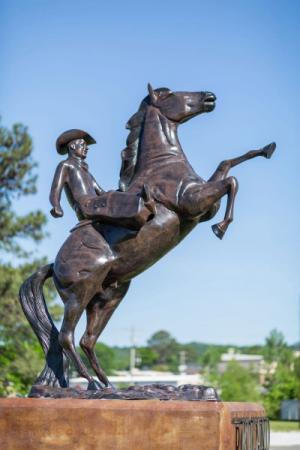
(99, 311)
(76, 298)
(74, 307)
(224, 167)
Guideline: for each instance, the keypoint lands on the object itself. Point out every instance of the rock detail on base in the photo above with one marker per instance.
(149, 392)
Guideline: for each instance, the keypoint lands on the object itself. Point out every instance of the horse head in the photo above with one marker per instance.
(179, 107)
(170, 109)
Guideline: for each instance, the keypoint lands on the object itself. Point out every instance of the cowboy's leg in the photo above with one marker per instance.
(99, 311)
(224, 167)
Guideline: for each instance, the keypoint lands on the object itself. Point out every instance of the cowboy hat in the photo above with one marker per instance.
(70, 135)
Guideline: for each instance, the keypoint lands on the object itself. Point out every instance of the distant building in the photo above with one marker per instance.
(255, 363)
(144, 377)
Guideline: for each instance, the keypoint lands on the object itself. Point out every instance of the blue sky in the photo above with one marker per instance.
(86, 64)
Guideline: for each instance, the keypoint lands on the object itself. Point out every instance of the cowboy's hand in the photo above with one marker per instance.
(57, 211)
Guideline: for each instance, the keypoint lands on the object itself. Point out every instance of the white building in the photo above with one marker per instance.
(255, 363)
(144, 377)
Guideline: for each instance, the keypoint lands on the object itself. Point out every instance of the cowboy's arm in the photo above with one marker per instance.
(97, 188)
(56, 188)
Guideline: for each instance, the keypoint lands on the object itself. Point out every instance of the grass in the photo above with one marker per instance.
(279, 425)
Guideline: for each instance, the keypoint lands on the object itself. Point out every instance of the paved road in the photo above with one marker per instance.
(293, 447)
(285, 440)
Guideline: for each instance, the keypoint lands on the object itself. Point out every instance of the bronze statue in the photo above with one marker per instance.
(95, 265)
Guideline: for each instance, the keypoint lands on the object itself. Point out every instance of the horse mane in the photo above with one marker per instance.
(130, 153)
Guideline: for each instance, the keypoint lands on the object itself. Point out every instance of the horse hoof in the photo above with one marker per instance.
(210, 394)
(111, 386)
(268, 150)
(94, 385)
(218, 231)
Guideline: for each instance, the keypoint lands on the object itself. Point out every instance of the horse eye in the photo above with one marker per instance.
(169, 94)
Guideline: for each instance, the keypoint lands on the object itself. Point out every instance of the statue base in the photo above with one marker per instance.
(67, 424)
(148, 392)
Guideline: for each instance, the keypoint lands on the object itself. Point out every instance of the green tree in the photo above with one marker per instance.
(238, 384)
(276, 349)
(121, 358)
(211, 357)
(284, 384)
(148, 357)
(251, 350)
(20, 353)
(167, 349)
(105, 356)
(296, 368)
(17, 179)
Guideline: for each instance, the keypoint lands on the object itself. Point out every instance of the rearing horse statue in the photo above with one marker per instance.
(95, 265)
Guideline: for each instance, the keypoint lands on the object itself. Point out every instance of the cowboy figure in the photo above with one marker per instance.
(85, 196)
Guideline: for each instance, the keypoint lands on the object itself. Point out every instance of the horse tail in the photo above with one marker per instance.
(35, 309)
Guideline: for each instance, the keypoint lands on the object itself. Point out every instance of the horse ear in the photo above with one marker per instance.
(153, 95)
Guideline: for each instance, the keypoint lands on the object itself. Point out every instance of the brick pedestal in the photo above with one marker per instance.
(68, 424)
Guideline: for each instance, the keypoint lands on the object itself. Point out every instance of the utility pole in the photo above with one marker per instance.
(132, 350)
(182, 362)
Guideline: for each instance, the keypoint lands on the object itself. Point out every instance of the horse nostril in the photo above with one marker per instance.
(210, 96)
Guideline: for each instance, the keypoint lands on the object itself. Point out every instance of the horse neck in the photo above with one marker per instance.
(159, 144)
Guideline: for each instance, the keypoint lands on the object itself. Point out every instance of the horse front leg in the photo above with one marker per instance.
(224, 167)
(220, 228)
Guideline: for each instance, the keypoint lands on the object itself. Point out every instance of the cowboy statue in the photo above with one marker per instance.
(89, 201)
(120, 234)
